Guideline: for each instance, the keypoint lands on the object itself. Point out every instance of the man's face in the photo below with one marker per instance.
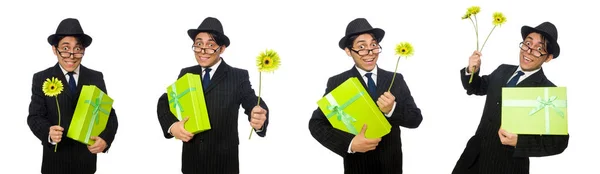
(206, 50)
(365, 51)
(69, 53)
(533, 52)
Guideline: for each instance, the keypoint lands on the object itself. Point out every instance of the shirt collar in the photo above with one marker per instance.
(214, 67)
(527, 73)
(76, 71)
(363, 72)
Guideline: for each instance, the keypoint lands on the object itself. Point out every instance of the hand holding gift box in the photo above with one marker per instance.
(535, 110)
(348, 107)
(186, 99)
(91, 114)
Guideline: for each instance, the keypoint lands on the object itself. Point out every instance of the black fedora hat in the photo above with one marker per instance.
(359, 26)
(548, 30)
(70, 27)
(211, 25)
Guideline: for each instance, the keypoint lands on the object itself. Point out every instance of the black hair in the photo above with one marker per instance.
(216, 37)
(350, 40)
(60, 37)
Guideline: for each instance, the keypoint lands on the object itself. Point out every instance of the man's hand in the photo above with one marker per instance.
(98, 146)
(361, 144)
(507, 138)
(56, 133)
(386, 102)
(258, 117)
(474, 62)
(179, 132)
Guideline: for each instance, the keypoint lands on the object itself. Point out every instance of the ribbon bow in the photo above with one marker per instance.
(97, 109)
(342, 116)
(543, 103)
(175, 99)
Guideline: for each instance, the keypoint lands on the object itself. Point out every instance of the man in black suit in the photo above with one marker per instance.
(68, 44)
(225, 88)
(494, 150)
(362, 155)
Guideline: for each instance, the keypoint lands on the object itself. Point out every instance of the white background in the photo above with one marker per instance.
(141, 47)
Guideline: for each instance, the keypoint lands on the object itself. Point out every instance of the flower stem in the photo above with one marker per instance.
(57, 106)
(487, 38)
(476, 30)
(258, 103)
(471, 79)
(394, 77)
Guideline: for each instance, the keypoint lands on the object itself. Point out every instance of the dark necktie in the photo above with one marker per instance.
(206, 78)
(72, 84)
(515, 79)
(371, 85)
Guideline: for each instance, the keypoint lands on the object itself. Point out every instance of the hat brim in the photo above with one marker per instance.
(194, 32)
(378, 32)
(86, 40)
(526, 30)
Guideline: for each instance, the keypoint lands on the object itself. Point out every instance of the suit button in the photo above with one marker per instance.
(497, 103)
(200, 140)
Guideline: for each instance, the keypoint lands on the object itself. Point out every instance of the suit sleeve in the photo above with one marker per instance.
(479, 84)
(165, 117)
(112, 124)
(406, 112)
(539, 146)
(37, 119)
(249, 100)
(320, 128)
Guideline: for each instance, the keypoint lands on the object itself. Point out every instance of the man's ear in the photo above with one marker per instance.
(348, 52)
(549, 58)
(54, 50)
(222, 49)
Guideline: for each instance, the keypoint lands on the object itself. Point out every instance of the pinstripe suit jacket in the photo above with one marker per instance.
(71, 156)
(216, 150)
(387, 157)
(484, 152)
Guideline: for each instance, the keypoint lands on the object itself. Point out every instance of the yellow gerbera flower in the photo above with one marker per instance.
(268, 61)
(404, 49)
(499, 19)
(52, 87)
(473, 10)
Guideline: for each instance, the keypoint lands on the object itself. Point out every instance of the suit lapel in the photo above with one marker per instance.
(507, 74)
(354, 73)
(383, 81)
(84, 79)
(218, 77)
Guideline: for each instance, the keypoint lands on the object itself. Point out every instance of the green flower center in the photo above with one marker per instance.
(267, 61)
(52, 87)
(403, 50)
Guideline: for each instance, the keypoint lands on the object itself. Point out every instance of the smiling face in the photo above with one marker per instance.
(69, 53)
(365, 51)
(206, 50)
(534, 52)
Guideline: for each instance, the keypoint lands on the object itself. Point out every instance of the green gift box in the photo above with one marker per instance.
(349, 106)
(535, 110)
(91, 114)
(186, 99)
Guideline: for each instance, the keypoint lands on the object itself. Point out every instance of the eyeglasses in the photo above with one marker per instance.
(197, 48)
(69, 54)
(533, 52)
(365, 52)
